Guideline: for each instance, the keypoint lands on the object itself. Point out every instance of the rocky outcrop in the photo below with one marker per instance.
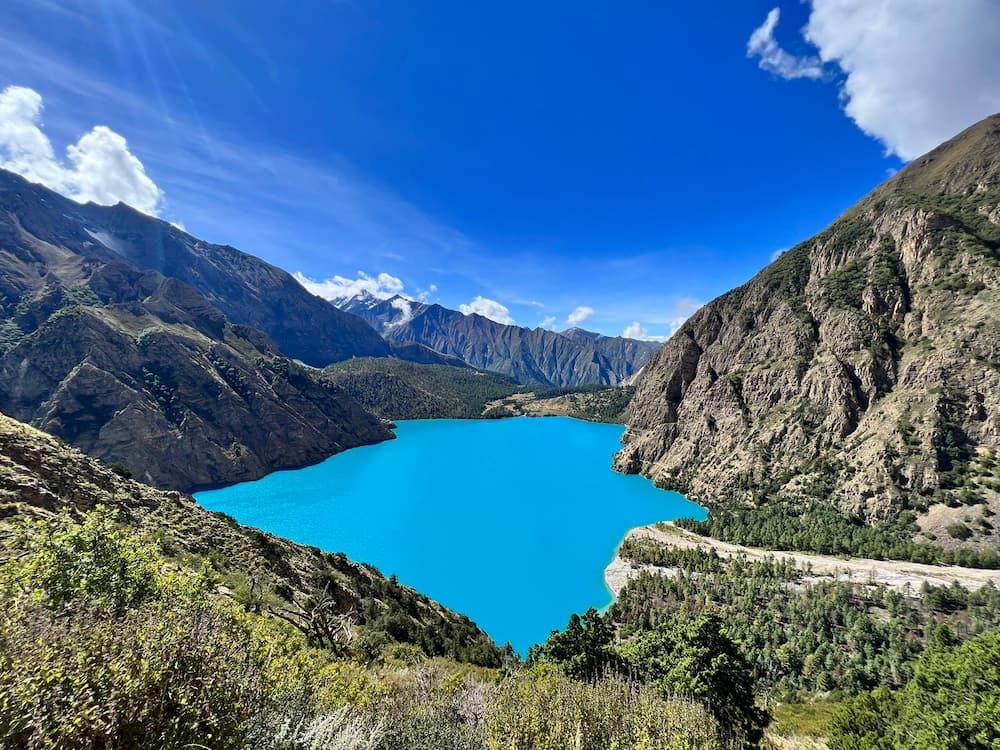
(861, 368)
(532, 356)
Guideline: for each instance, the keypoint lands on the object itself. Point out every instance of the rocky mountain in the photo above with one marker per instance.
(532, 356)
(861, 368)
(140, 369)
(40, 476)
(247, 290)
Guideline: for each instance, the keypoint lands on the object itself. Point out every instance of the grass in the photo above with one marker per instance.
(803, 719)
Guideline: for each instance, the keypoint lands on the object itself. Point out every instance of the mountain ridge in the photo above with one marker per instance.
(861, 368)
(140, 369)
(532, 356)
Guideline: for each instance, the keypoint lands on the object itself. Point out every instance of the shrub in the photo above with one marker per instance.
(541, 709)
(61, 561)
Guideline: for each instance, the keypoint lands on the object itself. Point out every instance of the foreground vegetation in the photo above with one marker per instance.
(103, 644)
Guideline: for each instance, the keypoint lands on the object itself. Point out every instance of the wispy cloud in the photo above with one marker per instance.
(772, 58)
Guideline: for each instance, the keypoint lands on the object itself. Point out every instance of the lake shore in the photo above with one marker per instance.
(905, 577)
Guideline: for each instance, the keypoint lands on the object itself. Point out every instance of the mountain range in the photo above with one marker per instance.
(532, 356)
(860, 370)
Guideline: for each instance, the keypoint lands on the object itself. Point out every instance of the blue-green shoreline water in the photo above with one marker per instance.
(511, 521)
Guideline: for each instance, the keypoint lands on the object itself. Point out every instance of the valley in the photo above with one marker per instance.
(804, 499)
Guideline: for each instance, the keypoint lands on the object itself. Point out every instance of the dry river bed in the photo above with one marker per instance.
(905, 577)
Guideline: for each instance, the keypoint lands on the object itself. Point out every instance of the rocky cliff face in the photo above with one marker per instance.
(143, 371)
(862, 367)
(532, 356)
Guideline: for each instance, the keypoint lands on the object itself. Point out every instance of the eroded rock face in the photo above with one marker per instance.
(862, 367)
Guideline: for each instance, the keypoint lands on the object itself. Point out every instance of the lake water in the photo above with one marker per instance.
(509, 521)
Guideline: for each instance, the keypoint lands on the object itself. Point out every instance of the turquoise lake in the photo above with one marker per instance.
(509, 521)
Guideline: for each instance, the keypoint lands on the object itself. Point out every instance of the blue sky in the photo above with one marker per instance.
(630, 159)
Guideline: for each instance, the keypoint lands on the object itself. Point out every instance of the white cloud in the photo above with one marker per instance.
(915, 72)
(548, 321)
(778, 253)
(774, 59)
(339, 289)
(405, 310)
(100, 166)
(425, 294)
(635, 330)
(682, 309)
(488, 308)
(579, 315)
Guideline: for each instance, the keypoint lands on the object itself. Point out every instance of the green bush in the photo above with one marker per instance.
(61, 562)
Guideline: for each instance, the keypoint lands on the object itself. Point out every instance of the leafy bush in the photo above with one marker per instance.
(62, 562)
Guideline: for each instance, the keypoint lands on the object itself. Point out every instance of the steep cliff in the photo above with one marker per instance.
(247, 290)
(861, 368)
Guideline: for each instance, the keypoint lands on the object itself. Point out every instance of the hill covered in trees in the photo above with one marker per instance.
(394, 389)
(397, 389)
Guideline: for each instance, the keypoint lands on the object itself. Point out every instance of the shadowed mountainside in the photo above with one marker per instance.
(141, 370)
